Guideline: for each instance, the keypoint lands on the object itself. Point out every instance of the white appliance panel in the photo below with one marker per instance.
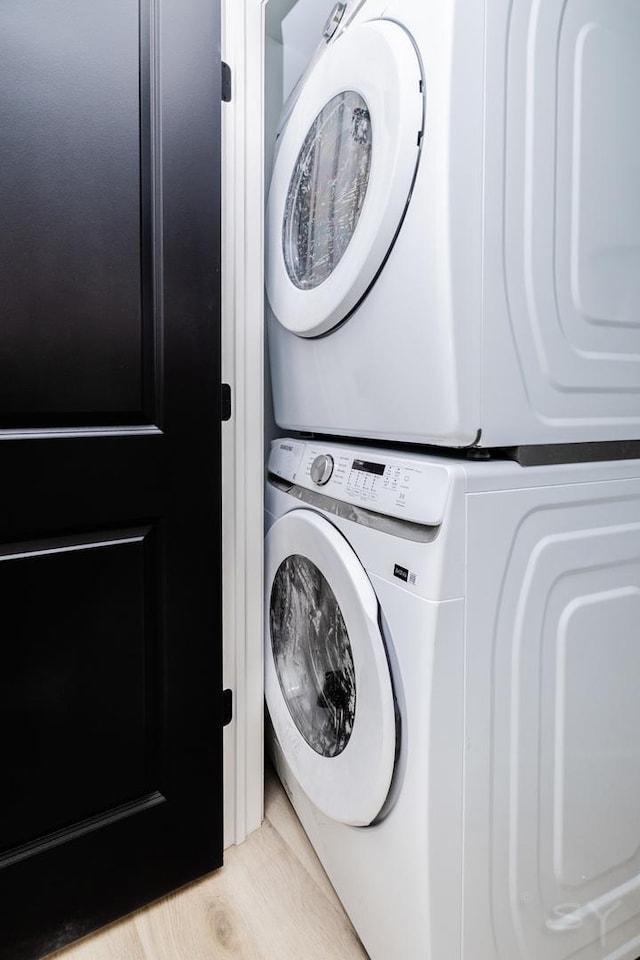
(554, 593)
(567, 193)
(510, 829)
(507, 311)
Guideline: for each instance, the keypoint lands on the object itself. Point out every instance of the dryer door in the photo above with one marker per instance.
(343, 176)
(327, 680)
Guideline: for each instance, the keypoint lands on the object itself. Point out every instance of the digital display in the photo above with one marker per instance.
(377, 468)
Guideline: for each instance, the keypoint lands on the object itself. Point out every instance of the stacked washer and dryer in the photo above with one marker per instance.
(452, 615)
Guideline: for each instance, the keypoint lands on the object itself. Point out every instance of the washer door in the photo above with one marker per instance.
(343, 176)
(327, 680)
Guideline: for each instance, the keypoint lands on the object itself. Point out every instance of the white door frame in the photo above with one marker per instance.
(243, 45)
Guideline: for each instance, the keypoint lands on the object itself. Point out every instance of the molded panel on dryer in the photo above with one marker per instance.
(599, 218)
(572, 208)
(556, 605)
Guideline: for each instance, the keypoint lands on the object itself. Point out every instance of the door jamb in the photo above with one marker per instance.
(242, 436)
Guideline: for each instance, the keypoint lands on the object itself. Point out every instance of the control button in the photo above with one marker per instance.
(321, 469)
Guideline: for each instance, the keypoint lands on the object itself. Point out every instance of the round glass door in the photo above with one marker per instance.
(312, 656)
(327, 681)
(327, 190)
(342, 176)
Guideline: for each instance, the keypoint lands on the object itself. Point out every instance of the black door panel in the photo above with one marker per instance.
(70, 248)
(110, 567)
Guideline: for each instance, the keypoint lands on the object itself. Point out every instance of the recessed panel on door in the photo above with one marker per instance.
(74, 257)
(79, 681)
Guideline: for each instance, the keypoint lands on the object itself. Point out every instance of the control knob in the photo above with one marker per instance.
(321, 469)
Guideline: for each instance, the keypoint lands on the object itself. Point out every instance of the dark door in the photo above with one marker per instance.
(110, 637)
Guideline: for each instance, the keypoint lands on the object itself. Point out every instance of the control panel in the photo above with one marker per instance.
(414, 487)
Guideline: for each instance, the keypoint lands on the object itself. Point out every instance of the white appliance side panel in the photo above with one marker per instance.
(562, 222)
(552, 833)
(405, 366)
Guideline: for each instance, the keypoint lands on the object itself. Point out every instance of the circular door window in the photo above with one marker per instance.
(342, 177)
(327, 681)
(312, 656)
(327, 190)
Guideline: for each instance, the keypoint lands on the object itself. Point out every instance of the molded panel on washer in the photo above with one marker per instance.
(596, 734)
(572, 210)
(557, 608)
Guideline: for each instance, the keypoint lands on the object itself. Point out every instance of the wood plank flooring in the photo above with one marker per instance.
(270, 901)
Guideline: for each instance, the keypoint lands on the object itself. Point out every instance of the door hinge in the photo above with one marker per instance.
(227, 707)
(225, 402)
(226, 82)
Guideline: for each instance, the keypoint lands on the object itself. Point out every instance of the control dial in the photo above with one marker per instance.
(321, 469)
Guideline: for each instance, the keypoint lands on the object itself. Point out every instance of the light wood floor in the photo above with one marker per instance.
(270, 901)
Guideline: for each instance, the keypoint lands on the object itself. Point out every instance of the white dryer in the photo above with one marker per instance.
(452, 672)
(453, 236)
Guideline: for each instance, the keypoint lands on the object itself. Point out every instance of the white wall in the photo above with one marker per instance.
(274, 57)
(301, 34)
(293, 32)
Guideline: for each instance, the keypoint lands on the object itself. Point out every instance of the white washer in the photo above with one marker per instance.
(453, 234)
(452, 673)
